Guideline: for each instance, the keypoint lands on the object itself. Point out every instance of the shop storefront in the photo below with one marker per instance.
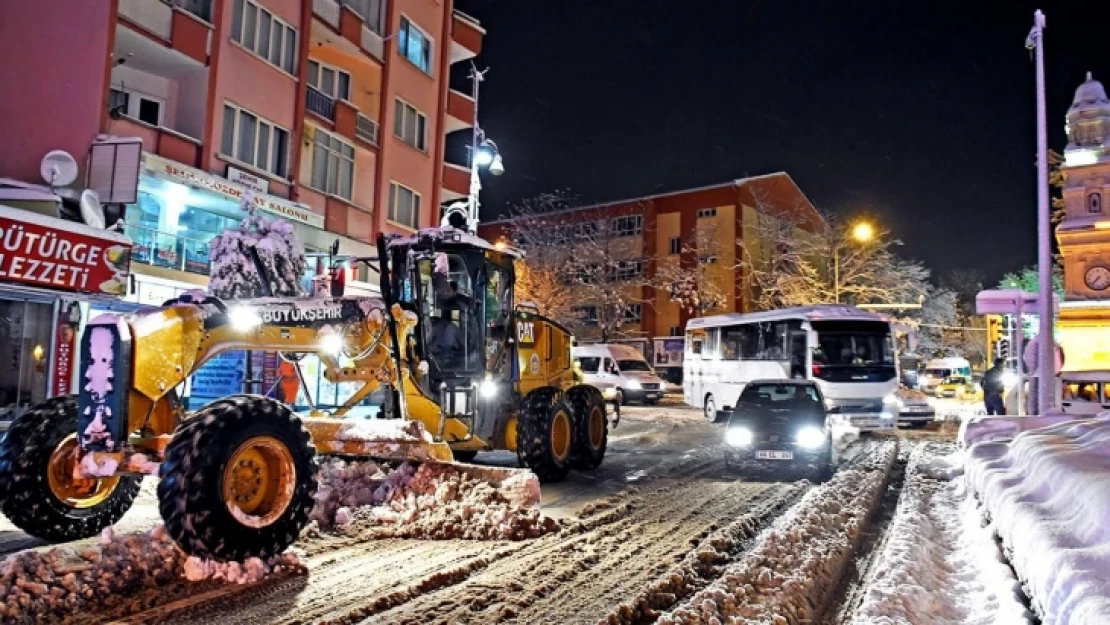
(49, 268)
(179, 211)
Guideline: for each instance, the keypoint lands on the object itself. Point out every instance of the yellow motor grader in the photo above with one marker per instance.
(459, 368)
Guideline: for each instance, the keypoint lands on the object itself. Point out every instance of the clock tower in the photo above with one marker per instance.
(1083, 325)
(1084, 232)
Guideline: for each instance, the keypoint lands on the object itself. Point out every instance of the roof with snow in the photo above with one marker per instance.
(825, 312)
(783, 197)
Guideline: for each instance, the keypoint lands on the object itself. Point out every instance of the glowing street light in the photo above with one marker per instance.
(861, 231)
(483, 154)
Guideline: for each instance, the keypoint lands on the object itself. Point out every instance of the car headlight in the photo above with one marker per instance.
(487, 389)
(609, 393)
(739, 437)
(633, 384)
(810, 437)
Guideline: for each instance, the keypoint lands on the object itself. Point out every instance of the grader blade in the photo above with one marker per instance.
(394, 440)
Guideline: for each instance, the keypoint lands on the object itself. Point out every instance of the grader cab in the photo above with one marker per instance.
(459, 369)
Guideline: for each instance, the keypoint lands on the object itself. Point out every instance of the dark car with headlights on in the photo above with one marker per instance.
(780, 423)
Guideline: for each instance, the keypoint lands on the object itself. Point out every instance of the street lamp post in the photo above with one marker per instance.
(1046, 366)
(862, 232)
(483, 153)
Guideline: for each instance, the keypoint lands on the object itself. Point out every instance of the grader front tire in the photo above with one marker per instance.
(39, 493)
(545, 435)
(238, 480)
(591, 428)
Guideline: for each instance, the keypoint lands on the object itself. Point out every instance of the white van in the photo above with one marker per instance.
(939, 368)
(620, 372)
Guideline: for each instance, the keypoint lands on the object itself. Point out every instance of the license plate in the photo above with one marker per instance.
(774, 455)
(652, 395)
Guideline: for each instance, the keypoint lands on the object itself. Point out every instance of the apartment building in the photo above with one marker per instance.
(655, 235)
(329, 113)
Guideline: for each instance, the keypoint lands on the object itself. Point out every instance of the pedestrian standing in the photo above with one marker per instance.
(994, 387)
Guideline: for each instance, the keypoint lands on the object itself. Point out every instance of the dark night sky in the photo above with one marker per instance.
(921, 113)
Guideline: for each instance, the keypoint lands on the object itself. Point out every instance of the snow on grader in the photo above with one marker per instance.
(459, 368)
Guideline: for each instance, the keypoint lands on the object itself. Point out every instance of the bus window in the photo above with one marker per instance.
(712, 343)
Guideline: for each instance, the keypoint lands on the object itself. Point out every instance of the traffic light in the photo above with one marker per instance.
(1002, 348)
(994, 330)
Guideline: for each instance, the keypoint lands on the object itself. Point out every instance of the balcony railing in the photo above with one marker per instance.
(320, 104)
(199, 8)
(171, 251)
(366, 129)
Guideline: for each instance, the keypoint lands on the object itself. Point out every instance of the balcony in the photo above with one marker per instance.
(184, 24)
(359, 24)
(366, 129)
(466, 37)
(460, 112)
(158, 140)
(320, 104)
(456, 182)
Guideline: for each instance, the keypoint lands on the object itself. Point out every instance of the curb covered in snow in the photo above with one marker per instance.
(795, 565)
(939, 563)
(1047, 492)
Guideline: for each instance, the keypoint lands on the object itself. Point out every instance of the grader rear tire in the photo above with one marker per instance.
(238, 480)
(591, 428)
(545, 434)
(39, 493)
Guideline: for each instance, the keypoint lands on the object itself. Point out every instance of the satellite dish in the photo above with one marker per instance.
(92, 213)
(58, 168)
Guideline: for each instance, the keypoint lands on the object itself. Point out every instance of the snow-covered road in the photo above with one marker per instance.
(659, 522)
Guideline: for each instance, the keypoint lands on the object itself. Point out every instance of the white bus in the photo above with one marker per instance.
(847, 351)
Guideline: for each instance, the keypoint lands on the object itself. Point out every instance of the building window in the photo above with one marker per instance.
(410, 125)
(404, 205)
(251, 139)
(333, 165)
(585, 314)
(1094, 202)
(676, 331)
(257, 30)
(708, 260)
(676, 245)
(628, 226)
(330, 81)
(707, 212)
(415, 45)
(633, 313)
(628, 270)
(145, 108)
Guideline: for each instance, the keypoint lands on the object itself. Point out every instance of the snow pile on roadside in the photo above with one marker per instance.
(248, 572)
(790, 571)
(940, 564)
(1048, 494)
(433, 500)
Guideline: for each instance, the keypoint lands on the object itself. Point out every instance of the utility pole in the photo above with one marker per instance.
(1046, 350)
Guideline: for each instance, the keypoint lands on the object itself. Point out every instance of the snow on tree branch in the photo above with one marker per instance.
(697, 288)
(234, 273)
(583, 270)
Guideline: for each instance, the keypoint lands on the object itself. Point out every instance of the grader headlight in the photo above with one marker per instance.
(488, 388)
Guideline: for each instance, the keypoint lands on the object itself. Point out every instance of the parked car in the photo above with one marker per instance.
(959, 387)
(780, 423)
(914, 409)
(620, 372)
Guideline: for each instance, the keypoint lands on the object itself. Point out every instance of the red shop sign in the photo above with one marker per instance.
(62, 255)
(64, 345)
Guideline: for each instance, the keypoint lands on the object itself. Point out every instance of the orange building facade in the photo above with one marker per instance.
(662, 228)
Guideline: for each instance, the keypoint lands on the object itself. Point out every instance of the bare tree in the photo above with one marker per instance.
(595, 258)
(792, 267)
(697, 289)
(543, 287)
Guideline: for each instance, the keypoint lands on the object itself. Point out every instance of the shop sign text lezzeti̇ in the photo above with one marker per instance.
(55, 254)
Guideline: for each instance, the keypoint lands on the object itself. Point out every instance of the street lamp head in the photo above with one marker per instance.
(484, 157)
(863, 231)
(496, 167)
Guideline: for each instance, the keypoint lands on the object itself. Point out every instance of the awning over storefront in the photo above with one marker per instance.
(49, 253)
(196, 187)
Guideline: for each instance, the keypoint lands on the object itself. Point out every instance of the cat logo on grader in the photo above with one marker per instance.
(238, 476)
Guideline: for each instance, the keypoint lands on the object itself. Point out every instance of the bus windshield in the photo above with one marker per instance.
(853, 351)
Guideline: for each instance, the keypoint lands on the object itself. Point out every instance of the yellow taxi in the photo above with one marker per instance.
(960, 387)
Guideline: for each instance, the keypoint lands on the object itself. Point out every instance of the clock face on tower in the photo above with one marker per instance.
(1097, 278)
